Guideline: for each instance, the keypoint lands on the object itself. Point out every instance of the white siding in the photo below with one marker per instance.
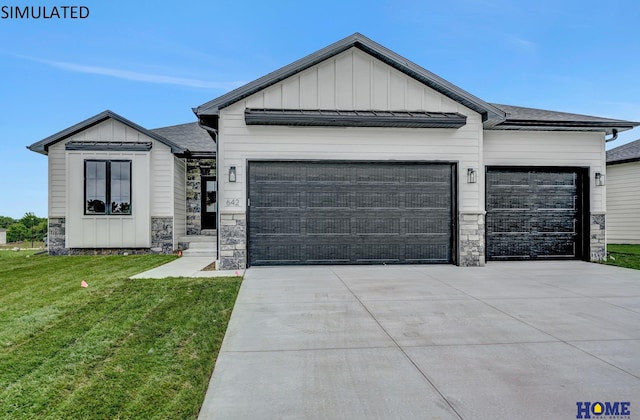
(180, 200)
(95, 231)
(543, 148)
(350, 80)
(623, 203)
(152, 189)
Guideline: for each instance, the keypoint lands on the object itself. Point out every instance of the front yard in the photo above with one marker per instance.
(118, 348)
(624, 256)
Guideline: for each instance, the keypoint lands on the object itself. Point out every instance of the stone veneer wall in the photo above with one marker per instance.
(597, 234)
(161, 240)
(162, 235)
(194, 191)
(472, 240)
(56, 235)
(233, 247)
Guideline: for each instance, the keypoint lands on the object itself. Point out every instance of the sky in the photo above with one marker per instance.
(152, 61)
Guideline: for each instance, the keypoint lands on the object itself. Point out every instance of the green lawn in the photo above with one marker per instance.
(624, 256)
(117, 349)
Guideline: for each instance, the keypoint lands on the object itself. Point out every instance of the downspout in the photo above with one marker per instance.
(215, 133)
(615, 136)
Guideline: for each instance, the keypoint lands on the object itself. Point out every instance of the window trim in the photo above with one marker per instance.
(107, 206)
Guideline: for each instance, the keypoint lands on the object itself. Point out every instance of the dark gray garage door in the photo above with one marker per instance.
(350, 213)
(533, 213)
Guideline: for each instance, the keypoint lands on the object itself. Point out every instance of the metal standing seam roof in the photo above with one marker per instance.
(42, 146)
(490, 114)
(629, 152)
(354, 118)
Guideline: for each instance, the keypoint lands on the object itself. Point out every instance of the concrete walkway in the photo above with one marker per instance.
(186, 267)
(521, 340)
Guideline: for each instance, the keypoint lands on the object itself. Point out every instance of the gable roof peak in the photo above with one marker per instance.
(42, 146)
(491, 115)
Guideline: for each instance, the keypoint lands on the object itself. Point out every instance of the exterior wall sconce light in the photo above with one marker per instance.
(599, 179)
(472, 176)
(232, 174)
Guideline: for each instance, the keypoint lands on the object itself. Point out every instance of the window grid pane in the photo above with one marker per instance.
(107, 182)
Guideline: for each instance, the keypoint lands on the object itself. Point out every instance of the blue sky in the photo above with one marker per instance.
(152, 61)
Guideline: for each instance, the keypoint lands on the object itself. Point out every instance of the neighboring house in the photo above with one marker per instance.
(3, 236)
(623, 194)
(352, 154)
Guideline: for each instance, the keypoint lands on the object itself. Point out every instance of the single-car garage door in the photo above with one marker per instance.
(534, 213)
(350, 212)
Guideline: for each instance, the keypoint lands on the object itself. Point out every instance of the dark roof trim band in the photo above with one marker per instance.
(348, 118)
(117, 146)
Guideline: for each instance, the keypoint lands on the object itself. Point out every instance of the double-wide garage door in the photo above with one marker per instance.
(534, 213)
(350, 212)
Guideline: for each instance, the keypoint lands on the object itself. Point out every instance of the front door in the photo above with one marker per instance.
(209, 202)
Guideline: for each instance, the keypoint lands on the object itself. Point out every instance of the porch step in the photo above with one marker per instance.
(200, 245)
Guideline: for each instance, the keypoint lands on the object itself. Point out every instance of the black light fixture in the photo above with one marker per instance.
(232, 174)
(472, 176)
(600, 179)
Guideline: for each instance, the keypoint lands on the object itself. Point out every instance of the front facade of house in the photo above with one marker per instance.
(354, 155)
(115, 186)
(623, 194)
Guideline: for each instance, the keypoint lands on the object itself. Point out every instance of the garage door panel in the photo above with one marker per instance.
(533, 214)
(349, 212)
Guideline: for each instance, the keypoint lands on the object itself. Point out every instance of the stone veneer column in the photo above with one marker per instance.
(56, 236)
(233, 237)
(194, 191)
(597, 234)
(162, 235)
(472, 240)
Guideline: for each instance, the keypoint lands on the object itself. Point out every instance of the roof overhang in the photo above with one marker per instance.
(351, 118)
(491, 115)
(43, 145)
(541, 125)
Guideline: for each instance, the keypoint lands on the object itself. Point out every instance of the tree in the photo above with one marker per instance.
(17, 232)
(30, 220)
(5, 222)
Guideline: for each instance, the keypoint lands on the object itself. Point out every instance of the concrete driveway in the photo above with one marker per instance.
(512, 340)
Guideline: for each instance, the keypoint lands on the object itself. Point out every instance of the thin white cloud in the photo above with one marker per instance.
(522, 44)
(139, 77)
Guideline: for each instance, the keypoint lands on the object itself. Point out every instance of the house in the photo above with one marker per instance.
(3, 236)
(350, 155)
(623, 194)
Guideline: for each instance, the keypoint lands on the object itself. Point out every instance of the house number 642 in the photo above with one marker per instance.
(233, 203)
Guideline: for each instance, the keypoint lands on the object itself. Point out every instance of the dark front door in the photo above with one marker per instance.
(325, 212)
(209, 202)
(535, 213)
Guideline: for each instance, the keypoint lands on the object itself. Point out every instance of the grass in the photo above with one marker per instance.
(624, 256)
(23, 245)
(117, 349)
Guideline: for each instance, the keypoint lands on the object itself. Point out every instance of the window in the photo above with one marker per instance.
(107, 181)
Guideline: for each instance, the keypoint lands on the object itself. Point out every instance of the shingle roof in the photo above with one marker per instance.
(629, 152)
(541, 119)
(189, 136)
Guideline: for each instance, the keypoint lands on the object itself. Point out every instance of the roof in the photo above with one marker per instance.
(502, 117)
(367, 118)
(43, 145)
(520, 118)
(629, 152)
(491, 114)
(189, 136)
